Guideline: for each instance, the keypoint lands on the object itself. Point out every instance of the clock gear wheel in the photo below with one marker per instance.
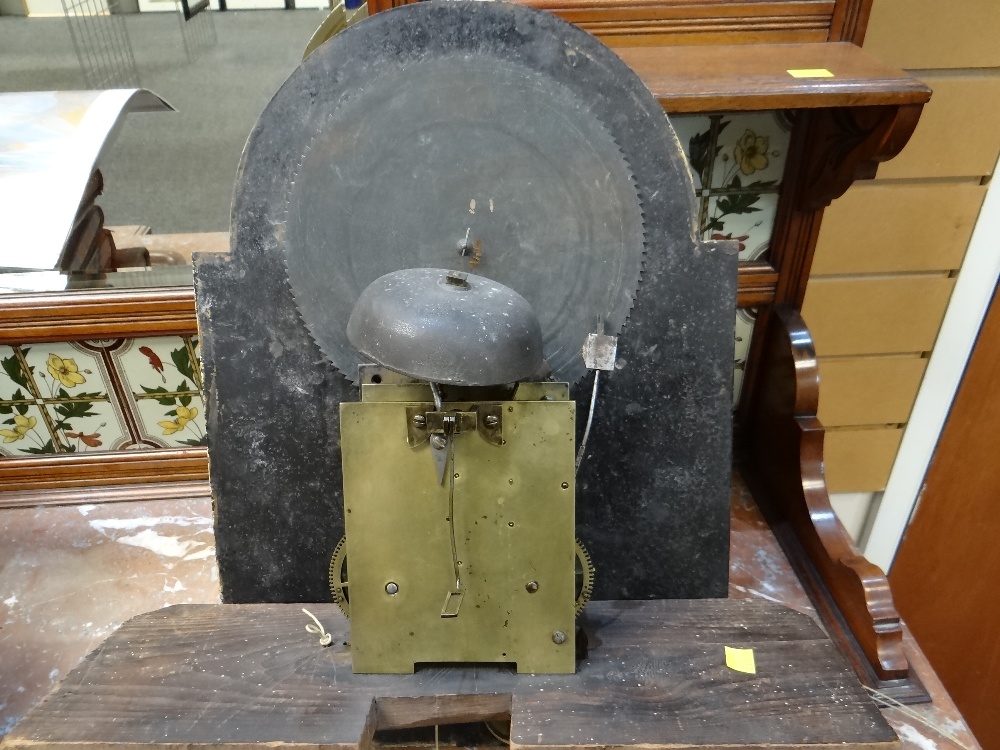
(338, 576)
(339, 583)
(484, 158)
(584, 576)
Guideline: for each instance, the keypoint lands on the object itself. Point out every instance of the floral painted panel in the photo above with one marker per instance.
(737, 159)
(751, 148)
(100, 395)
(164, 378)
(752, 230)
(24, 430)
(55, 398)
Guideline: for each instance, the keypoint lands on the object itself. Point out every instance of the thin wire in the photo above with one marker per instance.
(590, 420)
(890, 702)
(437, 396)
(495, 733)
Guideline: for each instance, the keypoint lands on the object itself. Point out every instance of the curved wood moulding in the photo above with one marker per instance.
(784, 467)
(850, 143)
(641, 22)
(850, 21)
(112, 476)
(97, 314)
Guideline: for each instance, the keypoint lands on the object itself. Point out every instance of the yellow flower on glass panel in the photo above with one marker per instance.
(751, 152)
(178, 423)
(21, 426)
(65, 371)
(187, 414)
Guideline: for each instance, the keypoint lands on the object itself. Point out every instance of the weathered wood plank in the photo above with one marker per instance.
(235, 675)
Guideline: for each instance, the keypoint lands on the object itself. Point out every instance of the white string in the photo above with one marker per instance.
(325, 639)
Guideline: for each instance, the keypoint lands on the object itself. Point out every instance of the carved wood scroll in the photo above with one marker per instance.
(848, 144)
(784, 469)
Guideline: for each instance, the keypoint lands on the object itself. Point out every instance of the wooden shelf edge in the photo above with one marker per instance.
(723, 77)
(88, 473)
(97, 313)
(782, 462)
(101, 494)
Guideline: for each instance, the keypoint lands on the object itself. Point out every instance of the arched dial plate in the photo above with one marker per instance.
(470, 162)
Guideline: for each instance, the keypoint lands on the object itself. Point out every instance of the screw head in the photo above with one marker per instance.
(419, 420)
(438, 441)
(559, 637)
(391, 588)
(492, 420)
(531, 587)
(565, 485)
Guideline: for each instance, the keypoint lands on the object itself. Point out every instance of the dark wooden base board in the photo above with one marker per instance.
(656, 676)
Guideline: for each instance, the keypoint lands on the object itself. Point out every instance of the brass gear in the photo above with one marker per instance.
(339, 585)
(584, 576)
(338, 576)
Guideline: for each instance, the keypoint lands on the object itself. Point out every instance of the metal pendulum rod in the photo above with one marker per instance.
(443, 447)
(453, 599)
(451, 516)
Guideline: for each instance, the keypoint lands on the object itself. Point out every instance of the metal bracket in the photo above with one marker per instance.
(599, 352)
(490, 423)
(487, 419)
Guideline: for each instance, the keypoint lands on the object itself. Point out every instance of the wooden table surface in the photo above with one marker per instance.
(656, 676)
(758, 568)
(69, 575)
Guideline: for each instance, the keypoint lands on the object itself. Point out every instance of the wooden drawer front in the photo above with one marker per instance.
(885, 315)
(959, 131)
(925, 34)
(868, 390)
(860, 460)
(897, 228)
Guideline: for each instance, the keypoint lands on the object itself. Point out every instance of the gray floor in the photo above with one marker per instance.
(174, 171)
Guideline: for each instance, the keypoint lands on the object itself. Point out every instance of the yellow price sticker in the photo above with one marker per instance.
(741, 660)
(810, 73)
